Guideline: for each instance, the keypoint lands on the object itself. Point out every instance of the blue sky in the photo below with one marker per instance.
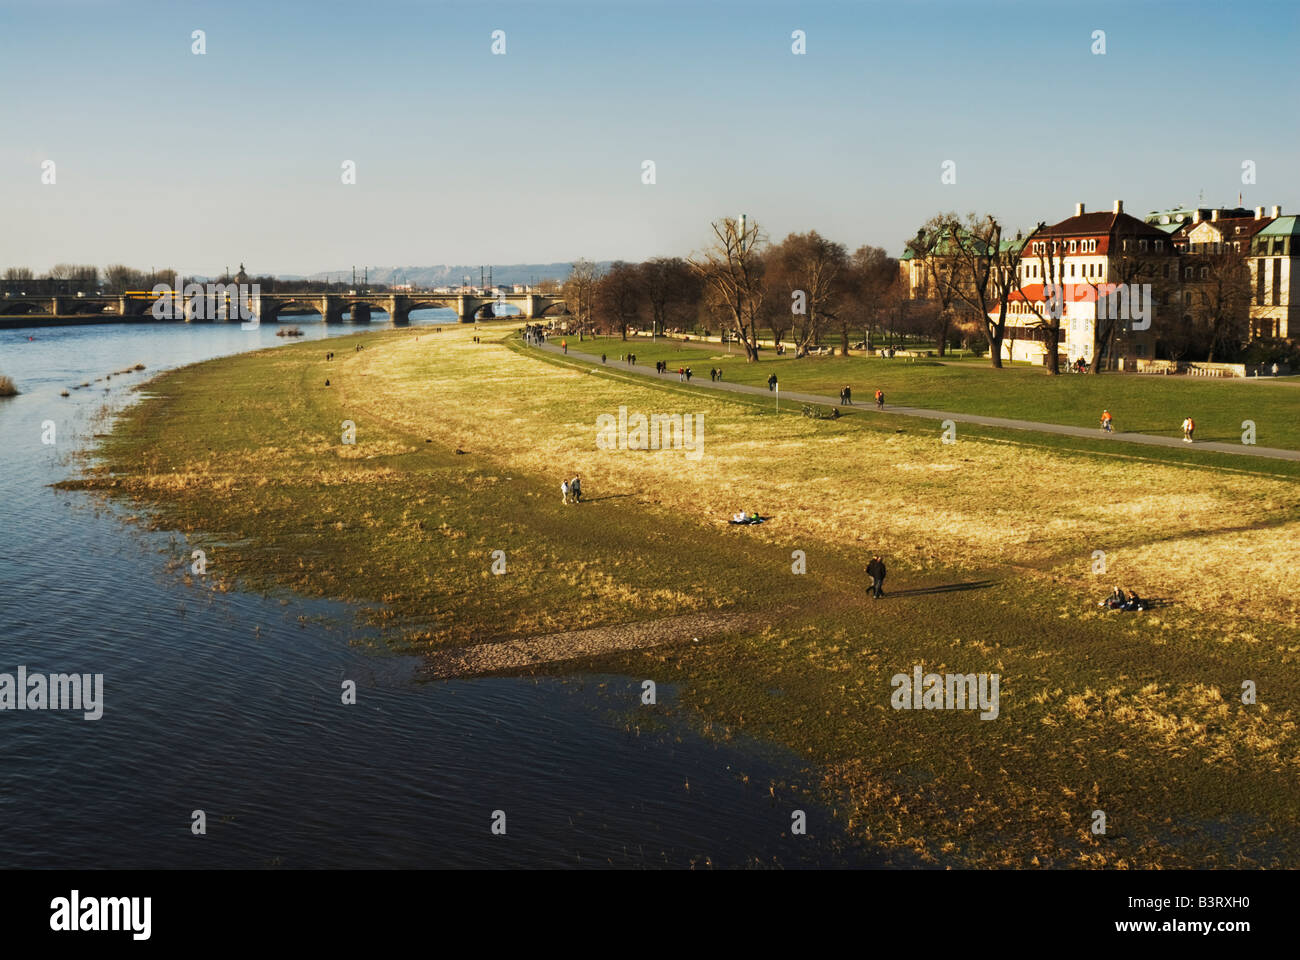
(167, 158)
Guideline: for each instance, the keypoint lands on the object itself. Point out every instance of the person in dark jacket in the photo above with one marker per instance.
(876, 571)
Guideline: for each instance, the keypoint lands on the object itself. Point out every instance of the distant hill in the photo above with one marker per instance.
(445, 275)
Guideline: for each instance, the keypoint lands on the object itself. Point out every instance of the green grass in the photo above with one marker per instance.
(988, 544)
(1139, 403)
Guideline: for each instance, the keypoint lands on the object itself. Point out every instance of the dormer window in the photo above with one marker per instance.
(1142, 246)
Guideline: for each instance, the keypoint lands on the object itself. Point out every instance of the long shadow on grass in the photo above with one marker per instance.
(942, 588)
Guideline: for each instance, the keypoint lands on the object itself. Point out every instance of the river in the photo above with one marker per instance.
(208, 703)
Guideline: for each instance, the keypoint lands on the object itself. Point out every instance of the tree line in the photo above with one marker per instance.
(970, 281)
(803, 289)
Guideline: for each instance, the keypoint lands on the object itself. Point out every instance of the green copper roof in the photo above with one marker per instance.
(1281, 227)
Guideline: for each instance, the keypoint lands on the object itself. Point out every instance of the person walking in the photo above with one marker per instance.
(1106, 419)
(880, 399)
(876, 571)
(771, 382)
(681, 374)
(688, 374)
(575, 488)
(565, 345)
(1189, 426)
(602, 358)
(564, 491)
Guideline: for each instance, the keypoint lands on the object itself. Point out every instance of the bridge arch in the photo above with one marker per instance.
(20, 308)
(557, 309)
(271, 307)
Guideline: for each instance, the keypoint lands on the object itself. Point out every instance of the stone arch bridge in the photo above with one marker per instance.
(224, 303)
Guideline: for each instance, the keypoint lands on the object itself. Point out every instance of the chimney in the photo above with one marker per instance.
(1259, 213)
(1214, 215)
(1277, 211)
(1119, 206)
(1078, 209)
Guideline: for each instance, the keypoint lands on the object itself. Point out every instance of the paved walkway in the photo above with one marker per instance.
(1091, 433)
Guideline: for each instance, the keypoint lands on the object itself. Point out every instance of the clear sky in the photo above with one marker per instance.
(163, 157)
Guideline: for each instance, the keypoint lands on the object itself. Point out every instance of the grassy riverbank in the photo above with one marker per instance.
(459, 451)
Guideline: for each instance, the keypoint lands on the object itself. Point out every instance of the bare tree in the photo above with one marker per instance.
(933, 247)
(578, 290)
(804, 273)
(1048, 310)
(986, 267)
(1221, 300)
(869, 291)
(80, 272)
(671, 292)
(731, 271)
(616, 297)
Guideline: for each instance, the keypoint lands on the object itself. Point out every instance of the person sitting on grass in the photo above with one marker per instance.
(1134, 602)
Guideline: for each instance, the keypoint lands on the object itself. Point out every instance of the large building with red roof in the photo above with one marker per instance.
(1085, 256)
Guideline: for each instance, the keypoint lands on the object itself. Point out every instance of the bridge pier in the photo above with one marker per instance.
(331, 310)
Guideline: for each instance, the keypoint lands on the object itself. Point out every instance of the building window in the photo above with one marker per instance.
(1124, 244)
(1205, 273)
(1160, 246)
(1141, 349)
(1277, 283)
(1187, 273)
(1142, 245)
(1259, 283)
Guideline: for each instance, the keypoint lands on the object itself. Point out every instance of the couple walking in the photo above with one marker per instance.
(571, 490)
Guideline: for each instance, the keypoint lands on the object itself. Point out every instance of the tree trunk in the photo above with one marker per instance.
(1053, 358)
(995, 349)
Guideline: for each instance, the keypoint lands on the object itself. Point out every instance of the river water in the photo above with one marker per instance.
(215, 702)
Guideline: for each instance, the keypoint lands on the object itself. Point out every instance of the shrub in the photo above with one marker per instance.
(7, 387)
(1272, 351)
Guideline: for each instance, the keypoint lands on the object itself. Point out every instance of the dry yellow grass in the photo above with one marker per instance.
(1168, 530)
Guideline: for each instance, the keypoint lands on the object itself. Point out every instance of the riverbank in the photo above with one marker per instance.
(459, 448)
